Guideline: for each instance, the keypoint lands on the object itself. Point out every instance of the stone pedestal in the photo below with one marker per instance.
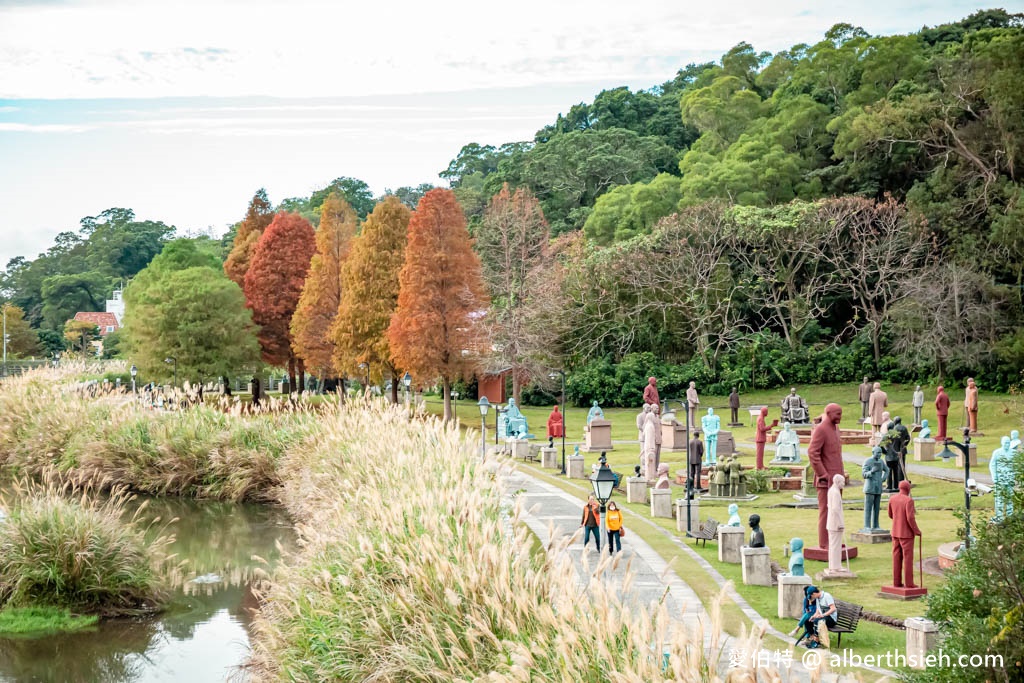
(922, 636)
(726, 444)
(574, 464)
(636, 490)
(901, 593)
(730, 540)
(520, 448)
(924, 450)
(661, 503)
(972, 449)
(549, 459)
(791, 595)
(681, 516)
(871, 536)
(757, 566)
(673, 437)
(598, 436)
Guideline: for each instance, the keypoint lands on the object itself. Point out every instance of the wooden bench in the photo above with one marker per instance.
(708, 532)
(847, 616)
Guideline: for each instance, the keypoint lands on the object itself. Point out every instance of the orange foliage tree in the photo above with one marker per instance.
(256, 220)
(273, 284)
(434, 332)
(369, 292)
(318, 306)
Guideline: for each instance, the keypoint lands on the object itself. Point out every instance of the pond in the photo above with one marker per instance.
(204, 634)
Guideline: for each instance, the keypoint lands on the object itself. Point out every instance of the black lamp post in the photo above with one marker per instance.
(455, 409)
(484, 406)
(366, 366)
(689, 479)
(172, 360)
(407, 381)
(134, 372)
(965, 450)
(603, 482)
(553, 375)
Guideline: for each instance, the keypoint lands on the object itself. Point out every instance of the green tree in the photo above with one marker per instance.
(79, 334)
(22, 340)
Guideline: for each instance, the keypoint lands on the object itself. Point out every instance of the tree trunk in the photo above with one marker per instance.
(394, 386)
(227, 385)
(302, 377)
(447, 400)
(291, 374)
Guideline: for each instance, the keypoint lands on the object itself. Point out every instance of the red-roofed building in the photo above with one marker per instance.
(107, 322)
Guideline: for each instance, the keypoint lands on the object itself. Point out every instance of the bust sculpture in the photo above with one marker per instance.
(711, 424)
(514, 421)
(787, 446)
(796, 560)
(595, 413)
(926, 431)
(734, 515)
(794, 409)
(1000, 466)
(663, 482)
(874, 473)
(756, 535)
(1015, 440)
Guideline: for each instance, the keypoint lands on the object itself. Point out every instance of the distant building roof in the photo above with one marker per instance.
(107, 322)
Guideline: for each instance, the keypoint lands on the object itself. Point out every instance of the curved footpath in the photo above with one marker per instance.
(550, 513)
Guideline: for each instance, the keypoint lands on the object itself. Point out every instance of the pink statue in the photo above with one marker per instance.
(971, 404)
(835, 524)
(826, 455)
(663, 482)
(647, 456)
(942, 412)
(877, 403)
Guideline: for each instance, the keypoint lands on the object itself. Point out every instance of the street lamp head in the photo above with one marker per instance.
(407, 380)
(364, 365)
(484, 405)
(134, 370)
(603, 482)
(946, 454)
(169, 360)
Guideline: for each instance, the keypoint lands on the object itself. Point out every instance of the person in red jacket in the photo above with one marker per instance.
(591, 522)
(942, 411)
(761, 435)
(904, 530)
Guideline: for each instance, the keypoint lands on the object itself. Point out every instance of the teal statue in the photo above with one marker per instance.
(576, 451)
(1000, 466)
(595, 413)
(711, 424)
(796, 560)
(734, 515)
(1015, 440)
(874, 472)
(512, 423)
(926, 431)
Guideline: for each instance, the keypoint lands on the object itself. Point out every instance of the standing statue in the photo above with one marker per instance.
(904, 530)
(1015, 440)
(649, 453)
(651, 392)
(1001, 469)
(794, 409)
(721, 481)
(796, 560)
(761, 435)
(756, 535)
(874, 472)
(864, 395)
(890, 443)
(711, 424)
(656, 414)
(787, 446)
(556, 426)
(693, 400)
(734, 515)
(835, 525)
(826, 455)
(735, 478)
(926, 431)
(877, 404)
(941, 411)
(695, 458)
(734, 407)
(641, 420)
(971, 404)
(595, 413)
(663, 482)
(917, 402)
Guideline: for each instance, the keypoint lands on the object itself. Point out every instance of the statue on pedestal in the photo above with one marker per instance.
(941, 411)
(649, 454)
(877, 404)
(904, 530)
(796, 560)
(917, 402)
(711, 424)
(595, 413)
(864, 395)
(641, 420)
(874, 472)
(787, 446)
(926, 431)
(826, 455)
(734, 515)
(556, 426)
(514, 422)
(1000, 466)
(1015, 440)
(794, 409)
(756, 535)
(736, 478)
(720, 481)
(761, 435)
(971, 404)
(734, 406)
(835, 525)
(693, 401)
(663, 482)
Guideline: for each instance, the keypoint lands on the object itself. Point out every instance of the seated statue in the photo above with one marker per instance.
(796, 560)
(734, 515)
(595, 413)
(514, 423)
(794, 409)
(787, 446)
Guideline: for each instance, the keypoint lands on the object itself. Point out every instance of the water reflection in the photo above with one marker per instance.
(203, 636)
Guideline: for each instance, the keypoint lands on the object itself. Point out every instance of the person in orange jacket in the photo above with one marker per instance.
(591, 522)
(613, 520)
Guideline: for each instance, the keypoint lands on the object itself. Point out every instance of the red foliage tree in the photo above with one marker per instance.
(273, 285)
(256, 220)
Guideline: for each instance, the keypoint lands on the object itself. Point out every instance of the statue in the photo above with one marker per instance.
(901, 442)
(1015, 440)
(595, 413)
(971, 404)
(656, 417)
(877, 404)
(825, 453)
(512, 423)
(651, 392)
(917, 402)
(648, 456)
(835, 525)
(941, 411)
(576, 451)
(874, 472)
(721, 480)
(693, 400)
(734, 407)
(761, 435)
(796, 560)
(756, 535)
(864, 395)
(735, 478)
(695, 456)
(711, 424)
(926, 431)
(641, 420)
(904, 529)
(734, 515)
(556, 426)
(1001, 469)
(663, 482)
(787, 446)
(794, 409)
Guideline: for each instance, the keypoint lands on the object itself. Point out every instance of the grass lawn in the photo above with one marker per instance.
(41, 620)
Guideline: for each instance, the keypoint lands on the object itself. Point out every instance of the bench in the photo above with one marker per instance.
(708, 532)
(847, 616)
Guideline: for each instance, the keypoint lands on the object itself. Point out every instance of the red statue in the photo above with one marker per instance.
(971, 404)
(904, 530)
(942, 410)
(556, 427)
(826, 456)
(762, 435)
(651, 392)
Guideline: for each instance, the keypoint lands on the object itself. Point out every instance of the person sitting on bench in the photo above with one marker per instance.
(819, 605)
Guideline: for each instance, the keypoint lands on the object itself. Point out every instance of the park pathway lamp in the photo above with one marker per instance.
(407, 381)
(172, 360)
(554, 375)
(366, 366)
(603, 482)
(484, 405)
(134, 371)
(455, 397)
(970, 487)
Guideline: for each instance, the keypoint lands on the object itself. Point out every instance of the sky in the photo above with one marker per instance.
(181, 110)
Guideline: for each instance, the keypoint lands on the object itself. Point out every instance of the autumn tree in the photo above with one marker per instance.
(79, 333)
(369, 292)
(434, 332)
(22, 340)
(313, 321)
(273, 285)
(256, 220)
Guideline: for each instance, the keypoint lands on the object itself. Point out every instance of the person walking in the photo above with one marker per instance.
(613, 520)
(591, 522)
